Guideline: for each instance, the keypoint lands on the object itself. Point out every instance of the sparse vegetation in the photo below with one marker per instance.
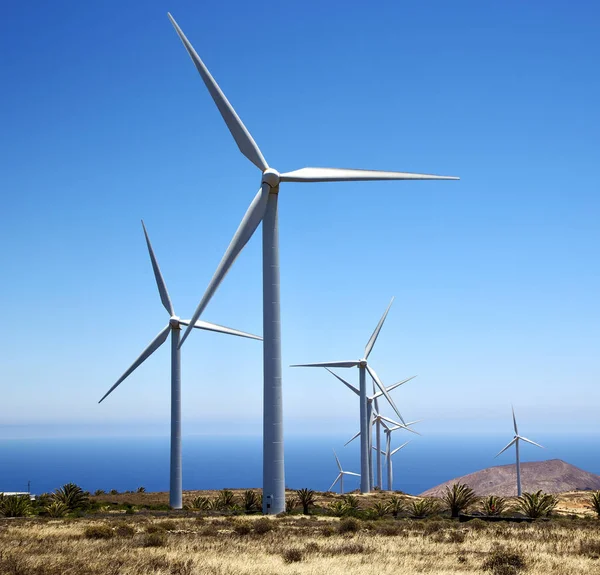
(458, 498)
(536, 505)
(504, 562)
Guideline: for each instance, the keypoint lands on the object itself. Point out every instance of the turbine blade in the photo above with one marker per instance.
(392, 421)
(375, 334)
(247, 227)
(160, 282)
(514, 420)
(240, 134)
(529, 441)
(337, 460)
(399, 448)
(392, 387)
(154, 345)
(385, 393)
(406, 427)
(336, 480)
(349, 175)
(219, 328)
(351, 440)
(351, 473)
(348, 385)
(328, 364)
(503, 450)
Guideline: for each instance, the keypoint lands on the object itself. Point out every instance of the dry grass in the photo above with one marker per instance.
(297, 545)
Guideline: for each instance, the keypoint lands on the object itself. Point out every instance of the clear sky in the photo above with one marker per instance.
(104, 121)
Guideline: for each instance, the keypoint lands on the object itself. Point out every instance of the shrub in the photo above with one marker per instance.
(141, 490)
(15, 505)
(590, 548)
(98, 532)
(337, 508)
(99, 492)
(504, 562)
(349, 525)
(167, 525)
(422, 508)
(56, 509)
(72, 496)
(351, 548)
(124, 530)
(293, 555)
(594, 502)
(202, 503)
(154, 540)
(395, 505)
(327, 531)
(380, 509)
(538, 504)
(458, 498)
(493, 505)
(225, 499)
(389, 528)
(252, 502)
(113, 492)
(291, 502)
(263, 525)
(351, 502)
(242, 528)
(306, 498)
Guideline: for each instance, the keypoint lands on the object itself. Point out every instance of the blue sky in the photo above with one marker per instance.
(105, 121)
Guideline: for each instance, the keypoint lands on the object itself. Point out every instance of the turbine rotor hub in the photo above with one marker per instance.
(363, 363)
(271, 178)
(174, 322)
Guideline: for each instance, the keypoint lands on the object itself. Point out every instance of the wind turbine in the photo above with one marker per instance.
(515, 440)
(174, 327)
(388, 457)
(365, 427)
(341, 474)
(263, 208)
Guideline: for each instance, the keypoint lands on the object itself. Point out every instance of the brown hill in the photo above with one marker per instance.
(552, 476)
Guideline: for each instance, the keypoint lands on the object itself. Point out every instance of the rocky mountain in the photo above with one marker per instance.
(552, 476)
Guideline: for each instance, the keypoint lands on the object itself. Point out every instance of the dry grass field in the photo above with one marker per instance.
(192, 544)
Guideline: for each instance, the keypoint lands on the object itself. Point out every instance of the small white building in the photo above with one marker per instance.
(11, 493)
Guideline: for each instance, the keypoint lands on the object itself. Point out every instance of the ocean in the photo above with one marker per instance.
(236, 462)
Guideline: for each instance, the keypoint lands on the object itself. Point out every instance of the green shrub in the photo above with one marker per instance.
(349, 525)
(380, 509)
(421, 508)
(201, 503)
(493, 505)
(124, 530)
(98, 532)
(56, 509)
(504, 562)
(538, 504)
(395, 505)
(291, 502)
(337, 508)
(594, 502)
(306, 498)
(15, 505)
(458, 498)
(252, 502)
(225, 499)
(352, 502)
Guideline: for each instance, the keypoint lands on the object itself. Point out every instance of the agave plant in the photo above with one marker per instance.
(15, 505)
(395, 505)
(422, 508)
(458, 498)
(594, 503)
(351, 502)
(538, 504)
(291, 502)
(493, 505)
(307, 498)
(226, 499)
(72, 496)
(201, 503)
(338, 508)
(252, 501)
(56, 509)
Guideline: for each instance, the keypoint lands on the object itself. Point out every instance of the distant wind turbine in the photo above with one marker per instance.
(174, 327)
(515, 440)
(341, 474)
(263, 208)
(365, 427)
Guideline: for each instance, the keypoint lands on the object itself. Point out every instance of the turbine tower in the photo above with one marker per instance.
(341, 474)
(174, 327)
(388, 456)
(365, 427)
(263, 208)
(515, 440)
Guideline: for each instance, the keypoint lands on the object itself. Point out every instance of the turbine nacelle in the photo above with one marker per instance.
(362, 362)
(175, 322)
(271, 177)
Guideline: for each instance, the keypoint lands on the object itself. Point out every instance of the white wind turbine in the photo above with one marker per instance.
(388, 458)
(263, 208)
(515, 440)
(175, 488)
(341, 474)
(365, 427)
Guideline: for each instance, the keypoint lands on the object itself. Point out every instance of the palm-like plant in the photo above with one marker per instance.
(458, 498)
(72, 496)
(351, 502)
(141, 490)
(538, 504)
(202, 503)
(594, 503)
(493, 505)
(15, 505)
(291, 502)
(226, 499)
(307, 498)
(251, 501)
(338, 508)
(380, 509)
(422, 508)
(395, 505)
(56, 509)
